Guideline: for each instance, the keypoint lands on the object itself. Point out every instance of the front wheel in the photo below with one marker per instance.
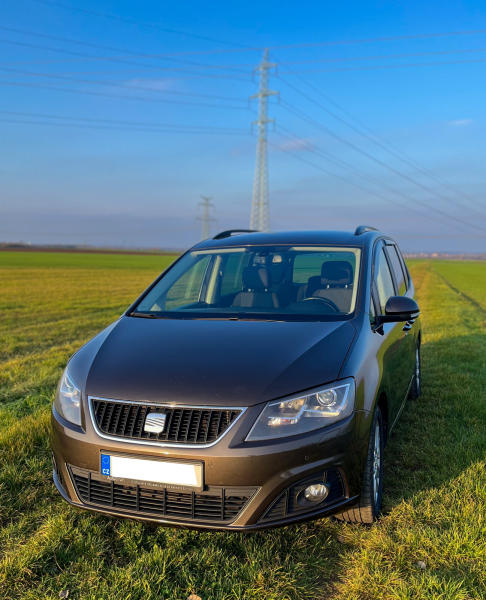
(369, 505)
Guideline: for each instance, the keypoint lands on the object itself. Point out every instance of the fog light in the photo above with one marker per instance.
(316, 492)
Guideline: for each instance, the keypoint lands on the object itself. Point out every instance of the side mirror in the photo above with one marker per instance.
(399, 308)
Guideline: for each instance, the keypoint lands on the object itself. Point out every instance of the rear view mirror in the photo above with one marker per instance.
(399, 308)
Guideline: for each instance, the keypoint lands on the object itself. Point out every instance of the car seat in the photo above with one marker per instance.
(335, 284)
(256, 289)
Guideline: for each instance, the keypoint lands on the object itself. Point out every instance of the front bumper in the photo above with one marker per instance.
(246, 486)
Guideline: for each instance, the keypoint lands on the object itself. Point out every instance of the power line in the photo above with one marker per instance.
(378, 161)
(122, 61)
(395, 66)
(237, 47)
(167, 57)
(136, 70)
(118, 85)
(359, 186)
(232, 67)
(136, 73)
(390, 38)
(344, 164)
(345, 179)
(381, 56)
(133, 22)
(118, 96)
(370, 136)
(373, 137)
(147, 124)
(237, 67)
(117, 128)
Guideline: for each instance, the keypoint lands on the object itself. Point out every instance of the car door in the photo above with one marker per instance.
(393, 352)
(403, 288)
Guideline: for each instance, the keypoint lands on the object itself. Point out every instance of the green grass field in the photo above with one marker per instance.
(431, 542)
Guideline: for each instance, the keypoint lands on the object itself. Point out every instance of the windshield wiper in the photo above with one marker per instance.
(204, 317)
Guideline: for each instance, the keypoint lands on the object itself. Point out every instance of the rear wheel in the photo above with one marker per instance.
(368, 507)
(416, 388)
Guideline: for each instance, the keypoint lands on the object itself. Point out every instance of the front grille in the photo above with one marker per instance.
(290, 501)
(214, 505)
(182, 425)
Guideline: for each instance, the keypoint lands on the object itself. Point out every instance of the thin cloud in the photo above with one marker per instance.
(296, 145)
(160, 85)
(460, 122)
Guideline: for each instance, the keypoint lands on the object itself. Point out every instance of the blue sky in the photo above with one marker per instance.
(104, 143)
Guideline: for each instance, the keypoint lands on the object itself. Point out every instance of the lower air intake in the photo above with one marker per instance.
(292, 502)
(217, 504)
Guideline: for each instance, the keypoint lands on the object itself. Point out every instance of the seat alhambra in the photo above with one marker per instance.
(253, 384)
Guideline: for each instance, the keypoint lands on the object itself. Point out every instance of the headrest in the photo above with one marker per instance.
(256, 278)
(337, 272)
(277, 272)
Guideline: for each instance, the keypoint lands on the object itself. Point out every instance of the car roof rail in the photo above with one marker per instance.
(230, 232)
(363, 229)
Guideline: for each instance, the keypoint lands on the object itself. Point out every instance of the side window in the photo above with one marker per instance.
(384, 281)
(397, 269)
(187, 288)
(404, 267)
(232, 272)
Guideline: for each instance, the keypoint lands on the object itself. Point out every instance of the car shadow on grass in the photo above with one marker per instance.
(439, 435)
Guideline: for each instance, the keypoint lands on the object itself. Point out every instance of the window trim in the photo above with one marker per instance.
(408, 279)
(205, 280)
(373, 290)
(400, 260)
(391, 267)
(378, 247)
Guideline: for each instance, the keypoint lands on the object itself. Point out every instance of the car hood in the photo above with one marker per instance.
(215, 362)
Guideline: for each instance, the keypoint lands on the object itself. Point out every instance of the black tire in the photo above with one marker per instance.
(416, 387)
(368, 508)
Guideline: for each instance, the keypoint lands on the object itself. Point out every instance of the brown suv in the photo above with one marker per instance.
(253, 384)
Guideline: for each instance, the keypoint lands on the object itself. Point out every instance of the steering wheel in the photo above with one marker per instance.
(326, 301)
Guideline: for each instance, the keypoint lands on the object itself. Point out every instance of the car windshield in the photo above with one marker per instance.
(278, 282)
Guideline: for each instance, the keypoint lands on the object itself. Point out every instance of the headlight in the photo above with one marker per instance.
(68, 399)
(305, 412)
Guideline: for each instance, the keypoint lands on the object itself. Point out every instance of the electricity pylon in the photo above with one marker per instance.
(259, 218)
(205, 217)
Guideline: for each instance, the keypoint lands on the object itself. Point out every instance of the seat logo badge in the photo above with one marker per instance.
(155, 422)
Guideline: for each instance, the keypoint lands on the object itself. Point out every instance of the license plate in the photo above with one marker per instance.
(155, 471)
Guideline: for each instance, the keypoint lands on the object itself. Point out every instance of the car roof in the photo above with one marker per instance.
(275, 238)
